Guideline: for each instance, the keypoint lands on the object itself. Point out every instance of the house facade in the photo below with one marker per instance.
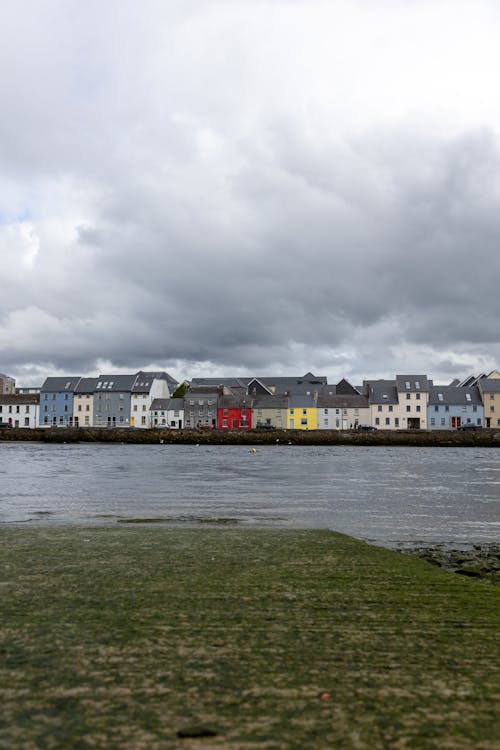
(234, 412)
(271, 411)
(490, 395)
(19, 409)
(83, 402)
(201, 406)
(147, 387)
(450, 407)
(342, 412)
(56, 401)
(302, 413)
(167, 412)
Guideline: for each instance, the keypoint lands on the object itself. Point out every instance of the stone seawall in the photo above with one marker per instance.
(421, 438)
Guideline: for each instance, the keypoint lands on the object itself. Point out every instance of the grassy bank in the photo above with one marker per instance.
(444, 438)
(131, 638)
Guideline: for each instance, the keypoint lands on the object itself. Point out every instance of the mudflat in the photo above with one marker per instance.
(148, 637)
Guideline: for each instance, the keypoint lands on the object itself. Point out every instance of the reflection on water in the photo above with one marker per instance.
(383, 494)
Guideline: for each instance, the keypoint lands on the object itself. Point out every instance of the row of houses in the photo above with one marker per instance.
(148, 399)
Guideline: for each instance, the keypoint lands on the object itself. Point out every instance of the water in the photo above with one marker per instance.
(386, 495)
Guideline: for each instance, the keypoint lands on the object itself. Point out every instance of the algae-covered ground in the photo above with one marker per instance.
(146, 638)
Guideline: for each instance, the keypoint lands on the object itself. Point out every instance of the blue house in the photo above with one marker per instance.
(56, 401)
(450, 407)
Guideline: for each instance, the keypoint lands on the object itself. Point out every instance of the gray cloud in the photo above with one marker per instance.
(239, 187)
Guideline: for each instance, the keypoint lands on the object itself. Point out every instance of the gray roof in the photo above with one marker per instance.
(86, 385)
(230, 382)
(490, 385)
(115, 383)
(381, 391)
(344, 401)
(412, 383)
(167, 404)
(144, 380)
(66, 384)
(453, 395)
(270, 402)
(301, 401)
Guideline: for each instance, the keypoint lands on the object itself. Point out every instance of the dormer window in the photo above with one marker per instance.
(417, 384)
(407, 385)
(467, 397)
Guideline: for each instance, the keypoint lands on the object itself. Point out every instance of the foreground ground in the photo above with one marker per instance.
(152, 638)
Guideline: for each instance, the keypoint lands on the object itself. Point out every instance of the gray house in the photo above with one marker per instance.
(112, 400)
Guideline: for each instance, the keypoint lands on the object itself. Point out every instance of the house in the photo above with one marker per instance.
(112, 400)
(147, 387)
(167, 412)
(450, 407)
(83, 402)
(20, 409)
(270, 410)
(302, 412)
(489, 389)
(7, 384)
(413, 395)
(234, 411)
(342, 412)
(56, 401)
(201, 405)
(383, 403)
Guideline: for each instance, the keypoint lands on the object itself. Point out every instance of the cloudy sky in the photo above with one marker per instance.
(249, 186)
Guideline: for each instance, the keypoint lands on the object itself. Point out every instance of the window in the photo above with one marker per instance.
(79, 407)
(134, 408)
(65, 396)
(436, 408)
(467, 397)
(87, 407)
(143, 420)
(292, 411)
(474, 408)
(377, 420)
(417, 384)
(224, 422)
(408, 396)
(87, 420)
(440, 396)
(407, 384)
(303, 422)
(418, 407)
(387, 420)
(492, 408)
(408, 408)
(379, 407)
(26, 421)
(417, 396)
(391, 408)
(27, 409)
(304, 412)
(443, 421)
(225, 413)
(447, 408)
(325, 421)
(144, 407)
(325, 411)
(433, 420)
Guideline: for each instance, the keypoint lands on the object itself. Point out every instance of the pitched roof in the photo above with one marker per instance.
(412, 383)
(115, 383)
(86, 385)
(340, 401)
(489, 385)
(66, 384)
(452, 395)
(381, 391)
(167, 404)
(144, 380)
(19, 398)
(270, 402)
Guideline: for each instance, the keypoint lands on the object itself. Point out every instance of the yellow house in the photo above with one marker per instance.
(302, 413)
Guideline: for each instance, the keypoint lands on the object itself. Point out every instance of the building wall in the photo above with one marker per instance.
(342, 418)
(56, 409)
(111, 409)
(20, 414)
(491, 403)
(83, 410)
(452, 416)
(231, 418)
(276, 417)
(302, 418)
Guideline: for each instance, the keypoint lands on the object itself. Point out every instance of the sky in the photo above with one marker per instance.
(229, 187)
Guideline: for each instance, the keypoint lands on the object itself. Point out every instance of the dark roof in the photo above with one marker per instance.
(301, 401)
(19, 398)
(270, 402)
(192, 392)
(231, 382)
(381, 391)
(115, 383)
(144, 380)
(490, 385)
(340, 401)
(412, 383)
(451, 395)
(86, 385)
(66, 384)
(165, 404)
(343, 386)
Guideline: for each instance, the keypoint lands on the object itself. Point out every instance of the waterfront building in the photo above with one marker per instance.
(201, 404)
(83, 402)
(490, 394)
(234, 411)
(146, 388)
(270, 411)
(167, 412)
(20, 409)
(450, 407)
(56, 401)
(302, 412)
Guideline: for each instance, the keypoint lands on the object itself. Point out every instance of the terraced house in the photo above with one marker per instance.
(450, 407)
(490, 393)
(56, 401)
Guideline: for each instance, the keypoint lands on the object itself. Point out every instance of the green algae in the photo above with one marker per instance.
(128, 637)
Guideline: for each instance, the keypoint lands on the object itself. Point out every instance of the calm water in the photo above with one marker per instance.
(385, 495)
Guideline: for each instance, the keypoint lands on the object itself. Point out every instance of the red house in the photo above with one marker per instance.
(234, 413)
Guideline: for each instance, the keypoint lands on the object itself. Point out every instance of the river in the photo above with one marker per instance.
(386, 495)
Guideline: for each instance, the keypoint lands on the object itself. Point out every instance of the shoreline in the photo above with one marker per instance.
(485, 438)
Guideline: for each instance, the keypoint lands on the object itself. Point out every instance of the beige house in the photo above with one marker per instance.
(489, 389)
(270, 411)
(83, 402)
(399, 404)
